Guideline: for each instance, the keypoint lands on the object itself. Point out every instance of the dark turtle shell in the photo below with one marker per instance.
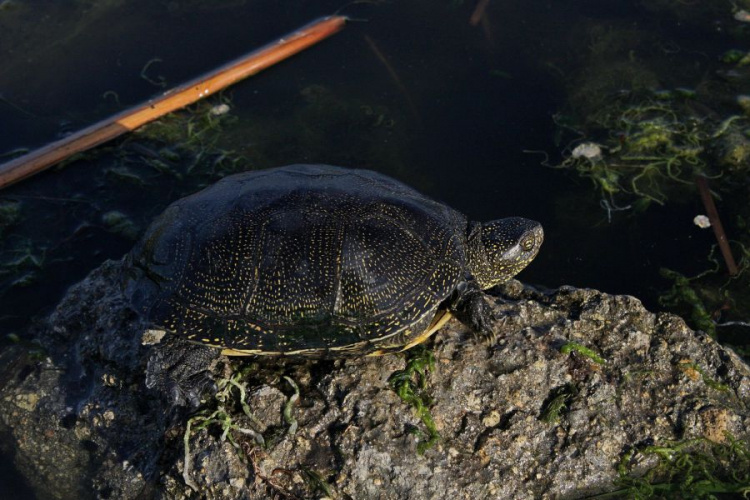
(304, 259)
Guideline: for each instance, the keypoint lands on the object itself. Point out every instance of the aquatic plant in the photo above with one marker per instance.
(20, 263)
(193, 138)
(651, 151)
(712, 301)
(643, 142)
(697, 468)
(683, 292)
(10, 214)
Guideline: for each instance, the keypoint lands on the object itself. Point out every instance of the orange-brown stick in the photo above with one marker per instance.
(394, 76)
(713, 216)
(478, 13)
(105, 130)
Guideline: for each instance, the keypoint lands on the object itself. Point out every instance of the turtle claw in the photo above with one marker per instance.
(190, 392)
(489, 339)
(471, 308)
(181, 372)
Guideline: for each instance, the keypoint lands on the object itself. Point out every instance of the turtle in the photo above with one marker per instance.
(319, 261)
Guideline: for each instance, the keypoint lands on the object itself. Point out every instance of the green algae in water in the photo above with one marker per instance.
(711, 301)
(645, 147)
(653, 153)
(10, 214)
(21, 264)
(698, 469)
(683, 292)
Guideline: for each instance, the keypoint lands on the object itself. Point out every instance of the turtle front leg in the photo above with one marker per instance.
(470, 307)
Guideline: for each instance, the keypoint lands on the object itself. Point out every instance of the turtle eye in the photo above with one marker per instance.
(527, 243)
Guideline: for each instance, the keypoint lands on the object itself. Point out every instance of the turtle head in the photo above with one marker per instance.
(500, 249)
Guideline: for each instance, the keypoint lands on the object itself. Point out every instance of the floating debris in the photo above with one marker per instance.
(589, 150)
(220, 109)
(159, 81)
(702, 221)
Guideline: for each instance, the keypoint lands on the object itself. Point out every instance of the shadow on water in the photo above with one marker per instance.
(415, 92)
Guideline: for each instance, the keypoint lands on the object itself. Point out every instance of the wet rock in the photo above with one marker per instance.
(521, 418)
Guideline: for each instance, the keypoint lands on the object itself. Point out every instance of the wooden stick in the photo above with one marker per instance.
(394, 76)
(713, 216)
(478, 13)
(105, 130)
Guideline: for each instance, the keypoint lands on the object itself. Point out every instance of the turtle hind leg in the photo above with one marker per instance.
(471, 308)
(437, 323)
(181, 372)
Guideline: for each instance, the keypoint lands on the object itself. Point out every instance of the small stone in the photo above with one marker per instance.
(27, 401)
(152, 337)
(715, 423)
(491, 419)
(237, 483)
(688, 369)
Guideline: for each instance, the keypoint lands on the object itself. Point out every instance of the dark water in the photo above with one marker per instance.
(457, 121)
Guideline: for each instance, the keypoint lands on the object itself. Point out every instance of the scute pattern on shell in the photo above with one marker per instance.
(300, 260)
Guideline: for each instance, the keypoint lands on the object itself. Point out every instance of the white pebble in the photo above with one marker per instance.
(702, 221)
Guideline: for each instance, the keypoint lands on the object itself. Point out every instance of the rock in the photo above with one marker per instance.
(520, 418)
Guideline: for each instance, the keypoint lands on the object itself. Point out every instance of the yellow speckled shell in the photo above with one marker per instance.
(305, 259)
